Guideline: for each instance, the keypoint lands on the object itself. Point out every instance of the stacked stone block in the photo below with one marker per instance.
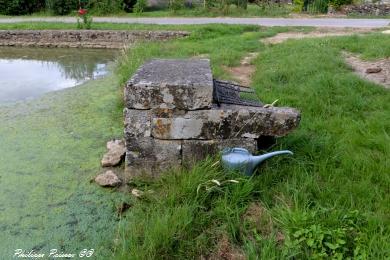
(82, 38)
(171, 120)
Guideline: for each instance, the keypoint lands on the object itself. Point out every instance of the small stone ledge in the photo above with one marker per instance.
(109, 39)
(226, 122)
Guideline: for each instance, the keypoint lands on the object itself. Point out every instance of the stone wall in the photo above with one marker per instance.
(82, 38)
(368, 9)
(171, 118)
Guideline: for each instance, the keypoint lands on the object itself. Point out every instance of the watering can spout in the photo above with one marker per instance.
(257, 160)
(240, 159)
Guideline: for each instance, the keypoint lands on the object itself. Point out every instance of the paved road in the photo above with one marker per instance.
(318, 22)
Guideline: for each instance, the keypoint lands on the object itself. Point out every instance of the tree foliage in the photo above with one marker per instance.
(63, 7)
(21, 7)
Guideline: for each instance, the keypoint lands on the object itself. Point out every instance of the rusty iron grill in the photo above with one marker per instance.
(226, 92)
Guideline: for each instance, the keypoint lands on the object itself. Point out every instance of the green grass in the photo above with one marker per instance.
(330, 198)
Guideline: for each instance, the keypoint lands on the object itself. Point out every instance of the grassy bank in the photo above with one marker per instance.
(330, 199)
(51, 147)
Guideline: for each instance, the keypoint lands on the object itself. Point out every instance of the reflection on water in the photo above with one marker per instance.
(27, 73)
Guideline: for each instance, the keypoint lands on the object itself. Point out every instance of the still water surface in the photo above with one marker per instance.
(27, 73)
(51, 147)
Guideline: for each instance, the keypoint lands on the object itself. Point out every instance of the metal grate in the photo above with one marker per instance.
(226, 92)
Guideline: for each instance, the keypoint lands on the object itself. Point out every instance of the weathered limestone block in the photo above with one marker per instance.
(173, 84)
(227, 121)
(137, 123)
(116, 152)
(151, 156)
(108, 179)
(196, 150)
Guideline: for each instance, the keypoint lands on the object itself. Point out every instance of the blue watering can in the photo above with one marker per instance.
(242, 160)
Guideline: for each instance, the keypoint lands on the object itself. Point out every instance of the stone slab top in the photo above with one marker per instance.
(171, 83)
(175, 72)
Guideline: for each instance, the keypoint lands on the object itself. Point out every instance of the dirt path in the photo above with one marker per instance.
(318, 33)
(243, 73)
(377, 71)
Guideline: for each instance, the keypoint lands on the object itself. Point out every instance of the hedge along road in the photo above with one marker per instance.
(316, 22)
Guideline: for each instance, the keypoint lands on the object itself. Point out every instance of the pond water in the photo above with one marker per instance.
(50, 148)
(27, 73)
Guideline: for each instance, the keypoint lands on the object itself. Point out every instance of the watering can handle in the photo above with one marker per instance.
(243, 150)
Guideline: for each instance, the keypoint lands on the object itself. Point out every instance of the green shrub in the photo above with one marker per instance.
(176, 5)
(139, 6)
(106, 6)
(128, 5)
(338, 3)
(62, 7)
(241, 3)
(21, 7)
(317, 6)
(298, 5)
(224, 5)
(84, 23)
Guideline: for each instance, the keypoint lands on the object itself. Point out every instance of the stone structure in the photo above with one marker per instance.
(171, 118)
(82, 38)
(368, 9)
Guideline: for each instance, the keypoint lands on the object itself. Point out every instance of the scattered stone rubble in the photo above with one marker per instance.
(114, 156)
(377, 71)
(373, 70)
(171, 118)
(108, 179)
